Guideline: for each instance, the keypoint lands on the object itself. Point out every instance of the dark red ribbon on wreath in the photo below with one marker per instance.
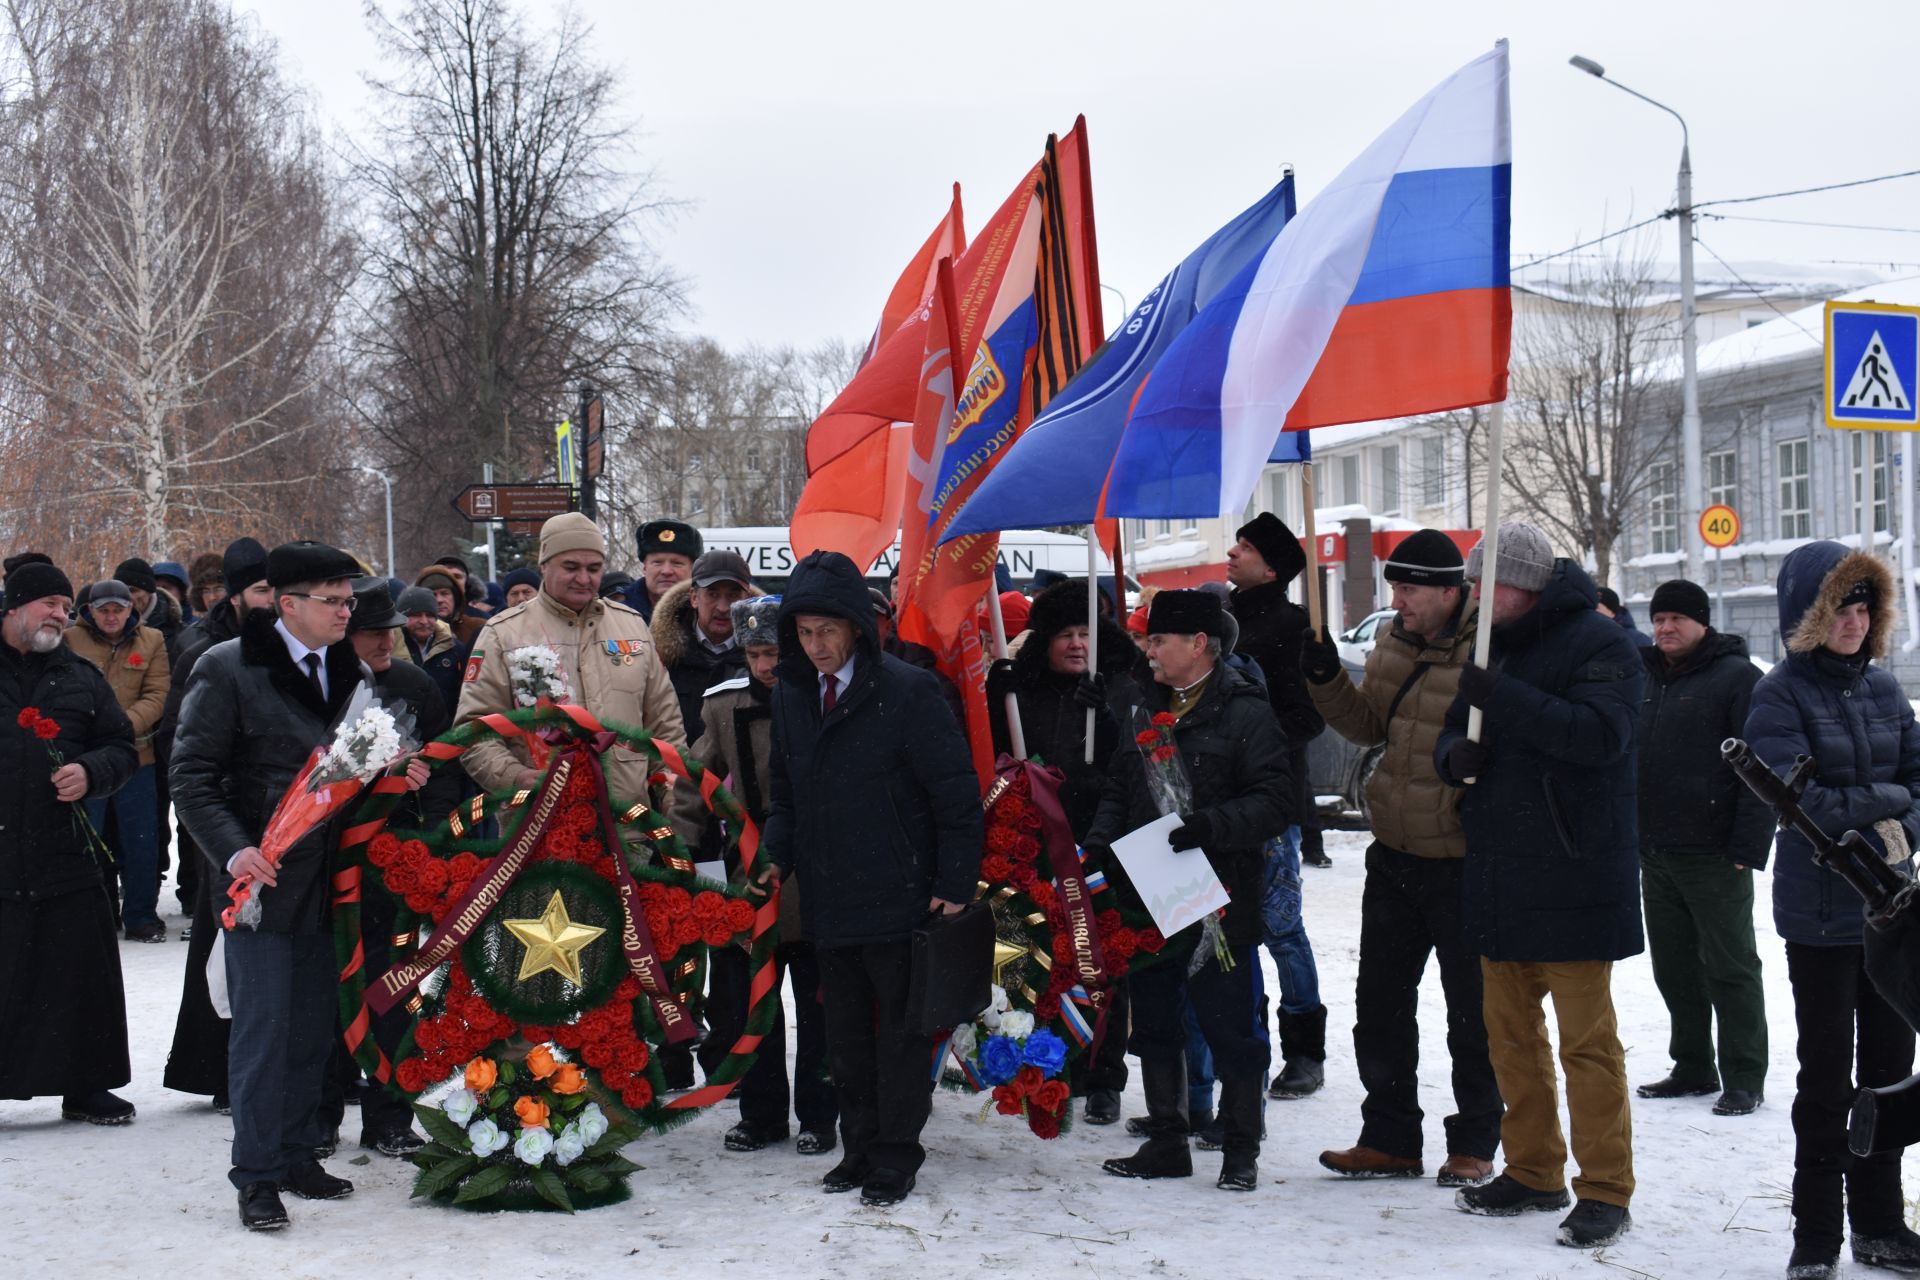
(636, 941)
(1070, 884)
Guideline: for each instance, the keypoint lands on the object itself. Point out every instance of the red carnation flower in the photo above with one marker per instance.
(45, 729)
(465, 864)
(28, 717)
(1165, 719)
(1162, 754)
(739, 915)
(627, 989)
(1146, 737)
(1001, 840)
(1151, 940)
(1122, 943)
(708, 907)
(598, 1054)
(567, 1037)
(135, 660)
(717, 934)
(411, 1075)
(1023, 878)
(1046, 1009)
(638, 1094)
(1045, 1124)
(994, 868)
(1026, 848)
(686, 931)
(1107, 921)
(383, 849)
(634, 1056)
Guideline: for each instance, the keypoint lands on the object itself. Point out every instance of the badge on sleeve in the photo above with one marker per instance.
(473, 668)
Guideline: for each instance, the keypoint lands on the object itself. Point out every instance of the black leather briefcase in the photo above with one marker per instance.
(952, 977)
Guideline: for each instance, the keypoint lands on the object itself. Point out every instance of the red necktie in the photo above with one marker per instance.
(832, 694)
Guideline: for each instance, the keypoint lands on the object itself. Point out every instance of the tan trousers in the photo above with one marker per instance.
(1596, 1076)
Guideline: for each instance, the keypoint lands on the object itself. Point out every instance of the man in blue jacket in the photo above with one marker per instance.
(1551, 893)
(875, 807)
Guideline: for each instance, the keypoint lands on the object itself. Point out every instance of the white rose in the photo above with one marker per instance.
(1017, 1023)
(1000, 1002)
(460, 1106)
(570, 1146)
(964, 1040)
(485, 1137)
(592, 1123)
(533, 1145)
(990, 1018)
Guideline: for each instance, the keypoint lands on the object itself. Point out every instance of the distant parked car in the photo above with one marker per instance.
(1356, 642)
(1335, 766)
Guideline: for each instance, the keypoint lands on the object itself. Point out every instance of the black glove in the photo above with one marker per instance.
(1466, 759)
(1091, 692)
(1319, 658)
(1195, 829)
(1000, 678)
(1476, 685)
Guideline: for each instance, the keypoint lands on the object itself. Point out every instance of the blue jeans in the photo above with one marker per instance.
(1280, 911)
(136, 811)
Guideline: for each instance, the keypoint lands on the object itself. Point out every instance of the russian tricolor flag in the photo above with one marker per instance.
(1386, 296)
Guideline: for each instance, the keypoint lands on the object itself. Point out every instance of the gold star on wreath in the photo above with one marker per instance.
(1004, 954)
(553, 941)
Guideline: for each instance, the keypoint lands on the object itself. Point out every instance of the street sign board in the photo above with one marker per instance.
(567, 450)
(516, 502)
(1719, 526)
(1872, 366)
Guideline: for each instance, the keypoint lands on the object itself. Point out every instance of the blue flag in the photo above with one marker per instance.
(1055, 472)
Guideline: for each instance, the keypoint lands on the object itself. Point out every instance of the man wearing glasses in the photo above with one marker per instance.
(255, 709)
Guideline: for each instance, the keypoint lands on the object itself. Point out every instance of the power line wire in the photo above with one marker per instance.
(1803, 222)
(1774, 307)
(1644, 222)
(1804, 191)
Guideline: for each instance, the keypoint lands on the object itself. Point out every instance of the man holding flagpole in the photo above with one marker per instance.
(1551, 891)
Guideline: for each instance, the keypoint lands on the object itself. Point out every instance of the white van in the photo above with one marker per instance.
(769, 555)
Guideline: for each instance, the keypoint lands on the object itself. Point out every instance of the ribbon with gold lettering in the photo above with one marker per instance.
(393, 986)
(1070, 884)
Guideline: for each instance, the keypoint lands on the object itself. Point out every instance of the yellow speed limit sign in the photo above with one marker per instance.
(1719, 526)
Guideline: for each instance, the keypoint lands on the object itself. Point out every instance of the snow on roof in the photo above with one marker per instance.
(1798, 333)
(1568, 279)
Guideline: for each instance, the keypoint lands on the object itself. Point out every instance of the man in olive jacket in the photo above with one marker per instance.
(1552, 886)
(1702, 832)
(1411, 904)
(63, 1012)
(876, 809)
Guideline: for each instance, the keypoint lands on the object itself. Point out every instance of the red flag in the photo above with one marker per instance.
(856, 459)
(1005, 330)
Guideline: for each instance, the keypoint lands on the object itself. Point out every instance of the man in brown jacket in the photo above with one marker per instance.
(1411, 903)
(133, 657)
(736, 735)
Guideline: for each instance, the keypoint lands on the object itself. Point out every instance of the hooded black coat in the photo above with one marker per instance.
(1237, 759)
(874, 805)
(1853, 719)
(1690, 801)
(249, 722)
(1273, 630)
(1553, 868)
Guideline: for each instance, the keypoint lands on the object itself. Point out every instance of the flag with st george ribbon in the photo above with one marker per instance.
(1001, 341)
(857, 449)
(1387, 296)
(1055, 472)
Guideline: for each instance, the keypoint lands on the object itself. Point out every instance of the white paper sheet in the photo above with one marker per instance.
(1178, 888)
(715, 870)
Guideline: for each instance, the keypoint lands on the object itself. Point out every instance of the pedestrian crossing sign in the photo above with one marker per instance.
(1872, 366)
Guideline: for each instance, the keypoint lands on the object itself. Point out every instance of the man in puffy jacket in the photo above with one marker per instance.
(63, 1011)
(1552, 887)
(876, 810)
(1829, 701)
(1702, 831)
(1242, 795)
(1411, 905)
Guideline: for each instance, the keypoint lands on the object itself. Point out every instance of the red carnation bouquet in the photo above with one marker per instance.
(1166, 772)
(47, 729)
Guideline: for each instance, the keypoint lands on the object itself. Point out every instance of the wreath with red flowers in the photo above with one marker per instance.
(1038, 968)
(599, 1018)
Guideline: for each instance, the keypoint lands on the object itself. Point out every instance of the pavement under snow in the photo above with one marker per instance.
(992, 1200)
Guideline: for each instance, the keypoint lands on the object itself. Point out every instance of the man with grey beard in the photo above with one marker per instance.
(63, 739)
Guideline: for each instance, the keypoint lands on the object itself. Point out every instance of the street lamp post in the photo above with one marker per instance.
(388, 482)
(1691, 466)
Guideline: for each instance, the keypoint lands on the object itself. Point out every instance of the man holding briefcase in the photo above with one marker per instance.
(876, 808)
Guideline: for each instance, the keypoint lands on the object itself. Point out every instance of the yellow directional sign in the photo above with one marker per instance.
(1719, 526)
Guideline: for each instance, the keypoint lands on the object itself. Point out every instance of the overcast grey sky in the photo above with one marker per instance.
(814, 143)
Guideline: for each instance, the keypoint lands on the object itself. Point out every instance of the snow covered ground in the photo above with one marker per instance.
(992, 1200)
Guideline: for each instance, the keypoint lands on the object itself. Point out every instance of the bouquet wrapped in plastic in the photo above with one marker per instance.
(371, 739)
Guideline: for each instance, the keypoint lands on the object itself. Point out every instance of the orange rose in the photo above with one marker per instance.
(567, 1079)
(481, 1074)
(532, 1113)
(540, 1062)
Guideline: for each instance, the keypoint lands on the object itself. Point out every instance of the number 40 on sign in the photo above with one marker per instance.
(1719, 526)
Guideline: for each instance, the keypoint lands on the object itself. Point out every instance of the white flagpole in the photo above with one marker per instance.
(1314, 607)
(1015, 737)
(1489, 558)
(1093, 622)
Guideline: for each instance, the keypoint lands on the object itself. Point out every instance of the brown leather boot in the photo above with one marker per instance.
(1464, 1171)
(1365, 1162)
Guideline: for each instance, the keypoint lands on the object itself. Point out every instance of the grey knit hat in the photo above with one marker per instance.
(1526, 557)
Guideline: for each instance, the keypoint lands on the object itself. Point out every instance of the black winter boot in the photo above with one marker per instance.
(1240, 1117)
(1303, 1053)
(1897, 1250)
(1164, 1154)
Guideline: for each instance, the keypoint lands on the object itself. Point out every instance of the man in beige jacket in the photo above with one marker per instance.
(1411, 904)
(605, 657)
(133, 657)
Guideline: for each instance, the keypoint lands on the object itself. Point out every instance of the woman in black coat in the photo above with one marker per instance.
(1827, 700)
